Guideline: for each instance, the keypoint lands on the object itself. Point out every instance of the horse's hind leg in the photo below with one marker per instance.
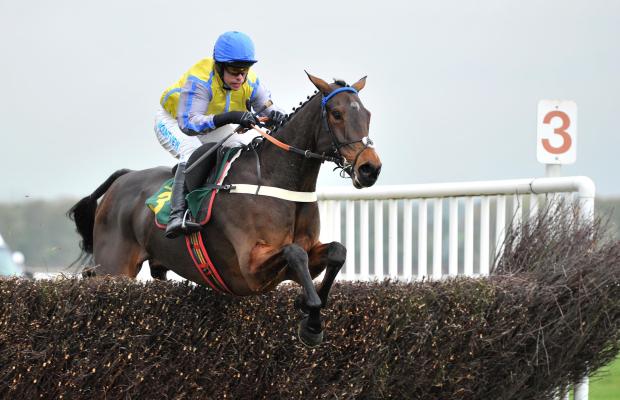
(118, 255)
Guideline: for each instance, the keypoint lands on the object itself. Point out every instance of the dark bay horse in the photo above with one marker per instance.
(255, 241)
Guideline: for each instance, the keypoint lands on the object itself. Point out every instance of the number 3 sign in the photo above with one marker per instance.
(557, 132)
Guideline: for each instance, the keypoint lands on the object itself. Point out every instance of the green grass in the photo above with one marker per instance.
(606, 384)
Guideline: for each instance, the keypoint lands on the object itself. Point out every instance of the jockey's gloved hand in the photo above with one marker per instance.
(244, 118)
(276, 118)
(247, 120)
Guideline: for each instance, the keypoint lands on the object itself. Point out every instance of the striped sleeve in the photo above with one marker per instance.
(193, 103)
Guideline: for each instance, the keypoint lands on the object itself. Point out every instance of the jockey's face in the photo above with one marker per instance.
(234, 77)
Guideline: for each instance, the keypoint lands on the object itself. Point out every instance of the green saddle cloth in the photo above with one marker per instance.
(159, 203)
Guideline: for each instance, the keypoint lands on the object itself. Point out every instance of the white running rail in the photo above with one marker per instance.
(462, 241)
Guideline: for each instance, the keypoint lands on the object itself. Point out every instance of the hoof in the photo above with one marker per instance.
(307, 336)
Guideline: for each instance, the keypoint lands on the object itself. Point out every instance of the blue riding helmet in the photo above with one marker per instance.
(234, 48)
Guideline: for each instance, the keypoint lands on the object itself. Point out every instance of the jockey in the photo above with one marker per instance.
(202, 106)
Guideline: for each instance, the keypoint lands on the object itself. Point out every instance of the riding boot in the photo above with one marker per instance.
(177, 225)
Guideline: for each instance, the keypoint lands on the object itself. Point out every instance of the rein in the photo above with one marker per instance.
(288, 147)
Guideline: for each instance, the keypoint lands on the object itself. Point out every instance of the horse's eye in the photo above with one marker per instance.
(337, 114)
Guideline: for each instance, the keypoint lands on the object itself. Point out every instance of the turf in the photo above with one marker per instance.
(606, 384)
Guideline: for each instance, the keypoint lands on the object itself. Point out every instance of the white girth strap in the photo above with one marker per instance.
(302, 197)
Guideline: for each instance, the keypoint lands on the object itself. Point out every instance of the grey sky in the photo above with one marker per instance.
(452, 86)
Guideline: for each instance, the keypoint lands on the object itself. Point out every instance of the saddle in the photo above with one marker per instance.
(201, 183)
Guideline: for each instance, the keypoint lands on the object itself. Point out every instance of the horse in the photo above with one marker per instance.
(255, 241)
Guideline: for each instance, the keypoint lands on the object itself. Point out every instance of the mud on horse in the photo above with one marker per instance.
(255, 241)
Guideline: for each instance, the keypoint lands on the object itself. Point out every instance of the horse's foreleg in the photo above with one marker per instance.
(310, 328)
(332, 255)
(329, 257)
(297, 261)
(292, 261)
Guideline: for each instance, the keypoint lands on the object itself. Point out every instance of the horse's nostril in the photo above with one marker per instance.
(368, 171)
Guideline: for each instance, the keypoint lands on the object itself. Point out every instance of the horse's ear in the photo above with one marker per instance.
(320, 84)
(359, 85)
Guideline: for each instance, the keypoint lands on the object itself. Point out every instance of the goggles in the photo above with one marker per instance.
(236, 71)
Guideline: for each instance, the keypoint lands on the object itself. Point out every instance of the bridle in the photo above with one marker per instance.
(335, 154)
(340, 161)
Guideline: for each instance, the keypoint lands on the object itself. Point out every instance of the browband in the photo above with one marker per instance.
(335, 92)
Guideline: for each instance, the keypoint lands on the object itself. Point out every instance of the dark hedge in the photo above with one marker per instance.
(549, 315)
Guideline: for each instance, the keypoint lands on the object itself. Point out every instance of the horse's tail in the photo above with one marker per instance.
(83, 212)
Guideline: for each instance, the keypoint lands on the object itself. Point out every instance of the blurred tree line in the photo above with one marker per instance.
(41, 230)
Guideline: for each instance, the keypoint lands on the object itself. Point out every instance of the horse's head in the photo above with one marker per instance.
(347, 121)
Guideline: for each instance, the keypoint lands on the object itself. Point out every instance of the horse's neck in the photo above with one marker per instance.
(286, 169)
